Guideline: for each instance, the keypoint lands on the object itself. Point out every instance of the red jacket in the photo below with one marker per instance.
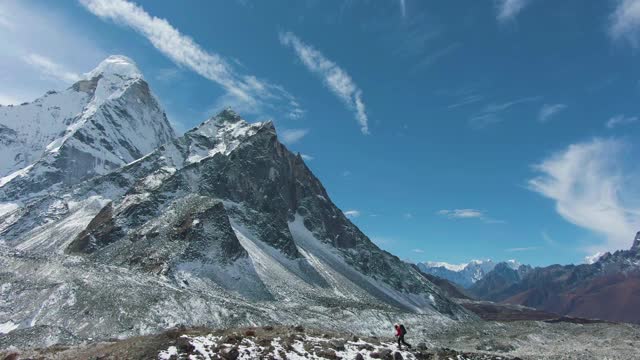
(398, 331)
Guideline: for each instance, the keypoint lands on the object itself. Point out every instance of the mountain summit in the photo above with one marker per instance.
(221, 226)
(99, 124)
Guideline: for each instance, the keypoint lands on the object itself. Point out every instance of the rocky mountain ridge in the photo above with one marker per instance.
(221, 226)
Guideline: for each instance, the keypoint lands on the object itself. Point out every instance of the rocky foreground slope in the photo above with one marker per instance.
(481, 341)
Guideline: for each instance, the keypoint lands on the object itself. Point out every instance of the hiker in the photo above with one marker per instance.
(401, 331)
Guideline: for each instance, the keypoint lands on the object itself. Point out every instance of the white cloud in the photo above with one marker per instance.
(468, 214)
(246, 91)
(548, 239)
(461, 213)
(403, 8)
(9, 100)
(522, 249)
(550, 110)
(48, 67)
(591, 189)
(35, 58)
(509, 9)
(352, 213)
(418, 251)
(334, 77)
(625, 21)
(168, 74)
(306, 157)
(619, 120)
(492, 113)
(291, 136)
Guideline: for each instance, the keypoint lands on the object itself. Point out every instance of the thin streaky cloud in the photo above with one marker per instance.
(253, 94)
(548, 111)
(468, 214)
(306, 157)
(417, 251)
(433, 57)
(334, 77)
(620, 120)
(522, 249)
(467, 100)
(292, 136)
(492, 113)
(352, 213)
(509, 9)
(50, 68)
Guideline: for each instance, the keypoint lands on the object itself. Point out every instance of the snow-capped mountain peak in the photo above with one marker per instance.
(222, 134)
(108, 119)
(116, 66)
(465, 274)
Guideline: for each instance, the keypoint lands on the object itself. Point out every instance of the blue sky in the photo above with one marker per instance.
(447, 130)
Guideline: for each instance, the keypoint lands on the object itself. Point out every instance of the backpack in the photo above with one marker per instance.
(403, 330)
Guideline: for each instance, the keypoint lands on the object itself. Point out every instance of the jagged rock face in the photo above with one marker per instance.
(97, 125)
(636, 243)
(227, 209)
(221, 226)
(498, 280)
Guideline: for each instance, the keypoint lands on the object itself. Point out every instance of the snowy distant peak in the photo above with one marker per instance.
(465, 274)
(460, 267)
(118, 66)
(439, 264)
(513, 264)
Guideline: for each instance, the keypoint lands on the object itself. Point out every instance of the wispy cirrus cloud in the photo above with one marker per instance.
(291, 136)
(50, 68)
(334, 77)
(468, 214)
(620, 120)
(507, 10)
(403, 7)
(522, 249)
(493, 113)
(306, 157)
(34, 58)
(246, 91)
(548, 111)
(590, 187)
(624, 22)
(352, 213)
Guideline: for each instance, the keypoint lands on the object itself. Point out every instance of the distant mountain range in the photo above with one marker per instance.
(608, 288)
(465, 275)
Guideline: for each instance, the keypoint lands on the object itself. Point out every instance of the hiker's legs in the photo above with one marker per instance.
(401, 338)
